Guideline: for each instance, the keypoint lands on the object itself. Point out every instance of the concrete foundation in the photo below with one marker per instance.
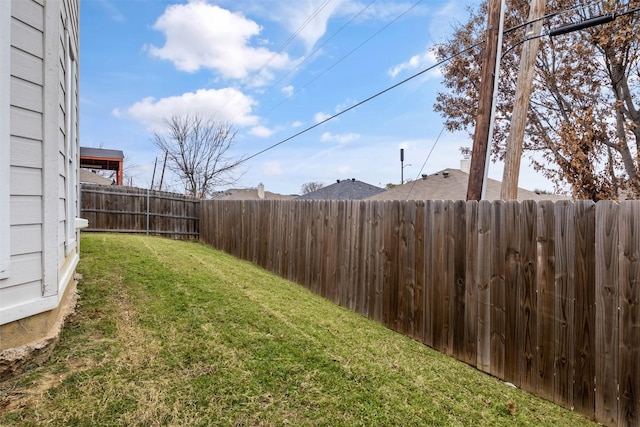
(31, 341)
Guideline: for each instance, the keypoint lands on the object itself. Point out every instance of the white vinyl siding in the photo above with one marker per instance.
(5, 140)
(71, 143)
(38, 149)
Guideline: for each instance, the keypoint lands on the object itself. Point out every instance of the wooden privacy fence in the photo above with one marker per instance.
(137, 210)
(545, 296)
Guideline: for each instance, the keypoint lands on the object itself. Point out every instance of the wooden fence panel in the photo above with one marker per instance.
(545, 313)
(448, 288)
(459, 282)
(390, 290)
(429, 273)
(629, 412)
(564, 327)
(484, 285)
(543, 295)
(527, 314)
(418, 297)
(512, 279)
(606, 334)
(137, 210)
(472, 283)
(583, 394)
(438, 279)
(498, 289)
(377, 253)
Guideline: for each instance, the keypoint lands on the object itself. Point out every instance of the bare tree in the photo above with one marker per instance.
(197, 151)
(309, 187)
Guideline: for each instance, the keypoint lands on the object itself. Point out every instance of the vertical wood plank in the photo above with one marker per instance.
(438, 279)
(497, 288)
(472, 279)
(607, 275)
(429, 272)
(409, 264)
(583, 395)
(483, 285)
(391, 279)
(629, 313)
(401, 311)
(512, 279)
(448, 289)
(377, 234)
(419, 271)
(460, 285)
(564, 307)
(527, 314)
(545, 312)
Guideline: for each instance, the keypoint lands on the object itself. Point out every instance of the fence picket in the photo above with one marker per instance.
(629, 297)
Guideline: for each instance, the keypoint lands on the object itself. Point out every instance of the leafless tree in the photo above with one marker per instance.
(309, 187)
(198, 152)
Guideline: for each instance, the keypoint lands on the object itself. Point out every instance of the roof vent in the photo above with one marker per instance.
(445, 174)
(353, 180)
(424, 176)
(338, 181)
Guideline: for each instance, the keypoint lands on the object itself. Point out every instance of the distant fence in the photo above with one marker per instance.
(136, 210)
(545, 296)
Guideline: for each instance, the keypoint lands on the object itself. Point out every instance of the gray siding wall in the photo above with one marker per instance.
(40, 261)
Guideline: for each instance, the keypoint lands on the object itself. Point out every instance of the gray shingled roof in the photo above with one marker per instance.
(101, 152)
(346, 189)
(451, 184)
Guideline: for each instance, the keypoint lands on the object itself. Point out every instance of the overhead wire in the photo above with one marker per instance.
(279, 51)
(364, 101)
(413, 184)
(310, 55)
(402, 82)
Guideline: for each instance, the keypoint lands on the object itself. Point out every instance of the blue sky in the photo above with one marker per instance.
(273, 68)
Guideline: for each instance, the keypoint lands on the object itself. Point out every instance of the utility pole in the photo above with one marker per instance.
(485, 102)
(524, 83)
(401, 166)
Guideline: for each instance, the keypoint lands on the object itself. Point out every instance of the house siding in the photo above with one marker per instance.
(41, 261)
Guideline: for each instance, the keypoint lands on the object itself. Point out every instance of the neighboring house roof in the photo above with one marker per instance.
(347, 189)
(99, 158)
(101, 152)
(250, 194)
(88, 177)
(451, 184)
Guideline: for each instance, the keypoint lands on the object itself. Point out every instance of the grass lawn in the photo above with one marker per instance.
(175, 333)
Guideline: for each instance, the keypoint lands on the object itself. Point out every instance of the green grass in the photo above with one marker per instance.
(175, 333)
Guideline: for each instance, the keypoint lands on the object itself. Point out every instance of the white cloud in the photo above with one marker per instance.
(287, 91)
(417, 63)
(225, 104)
(200, 35)
(341, 138)
(308, 18)
(261, 131)
(320, 117)
(296, 124)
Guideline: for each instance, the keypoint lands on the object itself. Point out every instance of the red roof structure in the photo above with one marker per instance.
(99, 158)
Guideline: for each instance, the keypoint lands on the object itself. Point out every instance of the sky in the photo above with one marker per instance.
(271, 69)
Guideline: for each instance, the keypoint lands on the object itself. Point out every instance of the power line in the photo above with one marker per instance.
(310, 55)
(425, 162)
(364, 101)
